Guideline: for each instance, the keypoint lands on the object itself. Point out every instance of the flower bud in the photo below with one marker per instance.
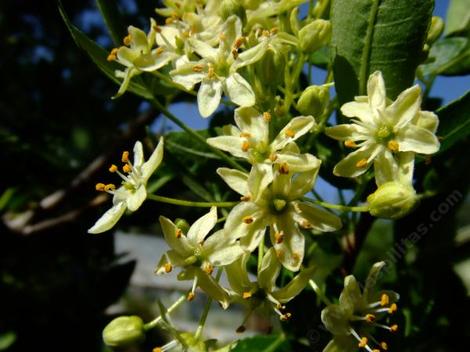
(392, 200)
(315, 35)
(124, 331)
(436, 29)
(182, 225)
(270, 69)
(314, 100)
(231, 7)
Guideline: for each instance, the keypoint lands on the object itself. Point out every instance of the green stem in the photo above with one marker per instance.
(154, 323)
(260, 254)
(319, 293)
(188, 203)
(196, 136)
(205, 313)
(360, 209)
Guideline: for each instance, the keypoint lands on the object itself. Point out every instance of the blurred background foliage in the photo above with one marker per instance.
(59, 130)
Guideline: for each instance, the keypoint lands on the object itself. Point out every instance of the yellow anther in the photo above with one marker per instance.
(240, 329)
(267, 116)
(266, 33)
(384, 300)
(113, 168)
(306, 224)
(235, 53)
(127, 168)
(394, 328)
(361, 163)
(157, 349)
(280, 255)
(190, 296)
(290, 133)
(169, 20)
(375, 350)
(168, 267)
(245, 135)
(393, 308)
(198, 68)
(248, 219)
(296, 257)
(112, 55)
(125, 157)
(393, 146)
(274, 30)
(109, 187)
(100, 187)
(384, 345)
(211, 72)
(156, 28)
(273, 157)
(245, 146)
(178, 233)
(363, 342)
(370, 318)
(239, 42)
(279, 237)
(208, 268)
(286, 316)
(159, 50)
(350, 144)
(284, 169)
(245, 198)
(246, 294)
(127, 39)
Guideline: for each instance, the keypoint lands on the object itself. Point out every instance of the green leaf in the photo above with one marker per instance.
(109, 10)
(371, 35)
(99, 57)
(272, 343)
(458, 17)
(321, 57)
(454, 122)
(7, 339)
(448, 56)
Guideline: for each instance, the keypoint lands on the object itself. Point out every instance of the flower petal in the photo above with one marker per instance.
(376, 91)
(237, 274)
(231, 144)
(208, 96)
(109, 218)
(239, 90)
(351, 298)
(351, 165)
(135, 199)
(405, 107)
(295, 129)
(249, 120)
(204, 50)
(261, 175)
(298, 162)
(290, 251)
(345, 132)
(336, 321)
(138, 39)
(237, 226)
(269, 271)
(359, 110)
(219, 251)
(385, 168)
(235, 179)
(199, 230)
(318, 218)
(138, 155)
(417, 139)
(212, 288)
(427, 120)
(149, 167)
(295, 286)
(127, 75)
(179, 244)
(406, 164)
(303, 183)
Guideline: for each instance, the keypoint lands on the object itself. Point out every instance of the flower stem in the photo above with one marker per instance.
(319, 293)
(359, 209)
(205, 313)
(188, 203)
(154, 323)
(196, 136)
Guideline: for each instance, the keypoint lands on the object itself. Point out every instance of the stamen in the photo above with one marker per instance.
(211, 72)
(285, 317)
(239, 42)
(284, 169)
(273, 157)
(113, 168)
(208, 268)
(245, 135)
(169, 20)
(245, 146)
(296, 257)
(306, 224)
(370, 318)
(266, 33)
(274, 30)
(127, 40)
(191, 293)
(127, 168)
(241, 329)
(178, 233)
(159, 50)
(361, 163)
(112, 55)
(394, 328)
(393, 308)
(125, 157)
(363, 342)
(190, 296)
(198, 68)
(245, 198)
(350, 144)
(384, 300)
(156, 28)
(168, 267)
(248, 219)
(384, 345)
(279, 237)
(290, 133)
(267, 116)
(110, 187)
(235, 53)
(100, 187)
(157, 349)
(393, 146)
(247, 294)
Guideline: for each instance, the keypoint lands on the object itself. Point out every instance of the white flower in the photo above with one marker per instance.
(132, 192)
(250, 140)
(386, 134)
(276, 201)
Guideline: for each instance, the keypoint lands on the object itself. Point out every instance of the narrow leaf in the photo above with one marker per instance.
(109, 10)
(454, 122)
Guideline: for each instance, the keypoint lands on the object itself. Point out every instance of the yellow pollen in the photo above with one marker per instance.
(239, 42)
(393, 308)
(178, 233)
(370, 318)
(248, 219)
(245, 146)
(125, 157)
(100, 187)
(284, 169)
(279, 237)
(127, 39)
(375, 350)
(156, 28)
(384, 346)
(235, 53)
(197, 68)
(350, 144)
(110, 187)
(246, 294)
(113, 168)
(159, 50)
(274, 30)
(384, 300)
(208, 268)
(266, 33)
(393, 146)
(112, 55)
(127, 168)
(290, 133)
(286, 316)
(267, 116)
(169, 20)
(363, 342)
(168, 267)
(361, 163)
(394, 328)
(190, 296)
(157, 349)
(306, 224)
(245, 135)
(245, 198)
(273, 157)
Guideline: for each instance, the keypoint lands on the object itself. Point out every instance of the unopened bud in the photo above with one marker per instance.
(124, 332)
(314, 100)
(315, 35)
(231, 7)
(294, 21)
(436, 29)
(182, 225)
(392, 200)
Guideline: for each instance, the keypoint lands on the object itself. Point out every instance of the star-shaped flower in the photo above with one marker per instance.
(384, 132)
(198, 255)
(133, 191)
(275, 200)
(358, 313)
(249, 140)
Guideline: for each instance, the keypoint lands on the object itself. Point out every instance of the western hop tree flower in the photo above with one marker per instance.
(133, 191)
(382, 131)
(198, 255)
(357, 314)
(275, 200)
